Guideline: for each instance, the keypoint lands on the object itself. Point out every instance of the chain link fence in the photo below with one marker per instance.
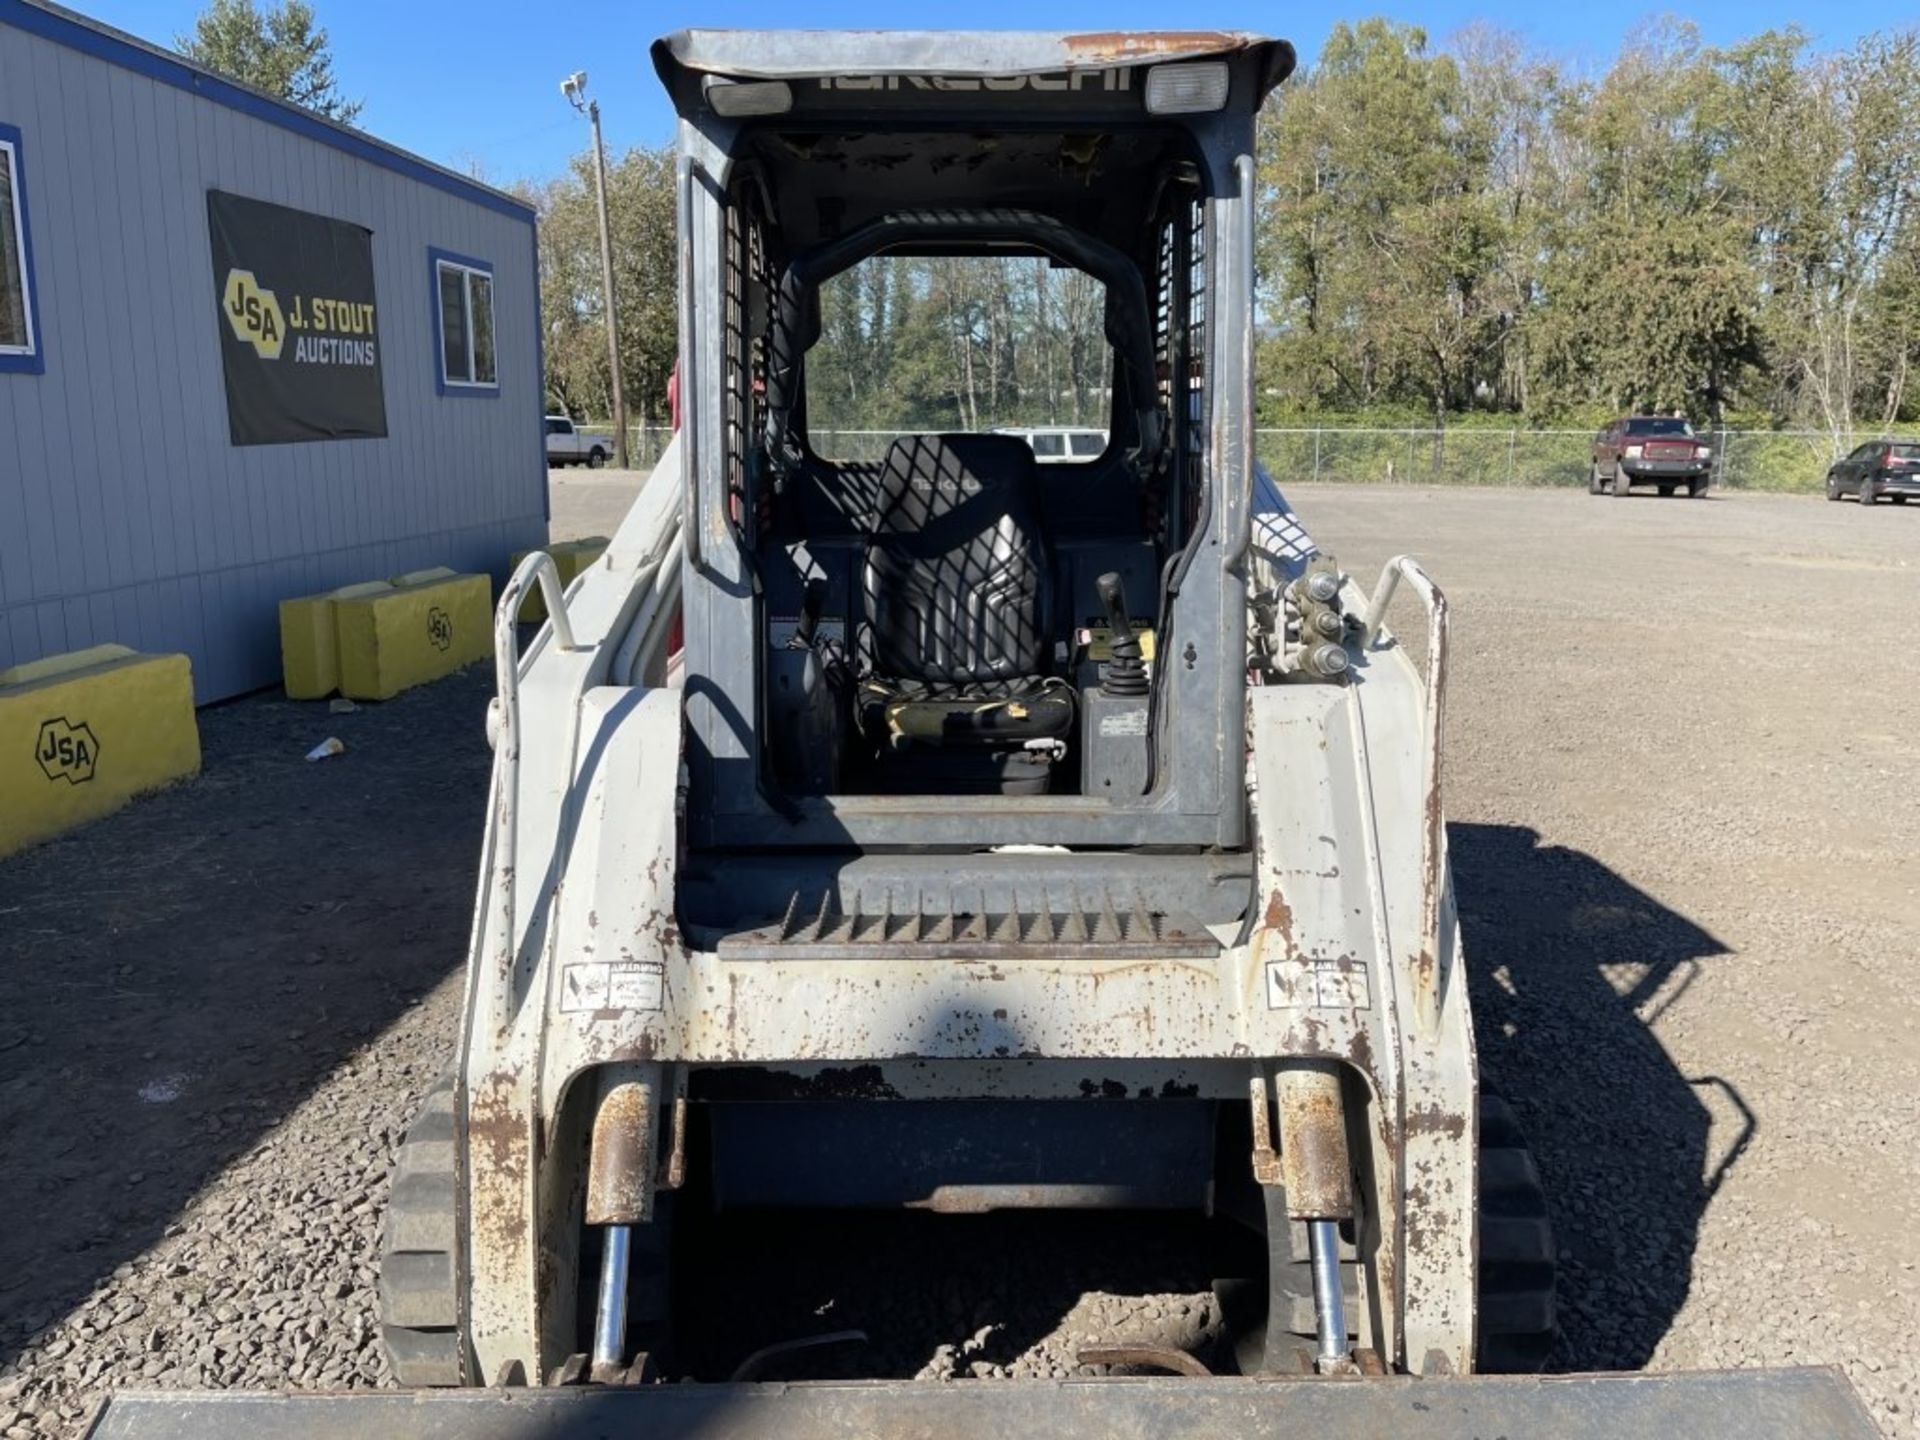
(644, 442)
(1782, 460)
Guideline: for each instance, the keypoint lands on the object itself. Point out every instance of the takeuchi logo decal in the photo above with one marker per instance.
(325, 331)
(1065, 80)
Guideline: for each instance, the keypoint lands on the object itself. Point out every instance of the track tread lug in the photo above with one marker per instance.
(419, 1282)
(1519, 1261)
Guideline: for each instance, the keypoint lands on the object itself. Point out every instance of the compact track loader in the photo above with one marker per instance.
(944, 831)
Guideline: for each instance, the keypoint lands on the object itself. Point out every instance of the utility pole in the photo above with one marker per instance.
(574, 87)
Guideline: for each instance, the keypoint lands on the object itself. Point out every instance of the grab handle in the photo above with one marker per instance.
(1429, 983)
(504, 718)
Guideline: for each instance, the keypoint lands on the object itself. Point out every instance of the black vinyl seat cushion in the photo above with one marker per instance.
(956, 582)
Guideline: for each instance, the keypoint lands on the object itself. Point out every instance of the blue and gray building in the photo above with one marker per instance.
(245, 354)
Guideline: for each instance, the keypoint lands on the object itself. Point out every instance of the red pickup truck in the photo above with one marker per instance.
(1650, 450)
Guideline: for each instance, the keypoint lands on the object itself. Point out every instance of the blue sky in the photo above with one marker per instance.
(476, 85)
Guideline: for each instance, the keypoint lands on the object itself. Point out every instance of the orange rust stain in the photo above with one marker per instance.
(1280, 915)
(1433, 1120)
(499, 1142)
(1107, 45)
(618, 1166)
(1313, 1143)
(1414, 1218)
(1360, 1048)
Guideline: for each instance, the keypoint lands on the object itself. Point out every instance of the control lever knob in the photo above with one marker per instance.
(813, 600)
(1126, 671)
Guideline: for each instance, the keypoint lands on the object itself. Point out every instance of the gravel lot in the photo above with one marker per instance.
(590, 502)
(1683, 802)
(222, 1007)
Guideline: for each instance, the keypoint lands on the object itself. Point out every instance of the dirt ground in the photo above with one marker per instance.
(1684, 802)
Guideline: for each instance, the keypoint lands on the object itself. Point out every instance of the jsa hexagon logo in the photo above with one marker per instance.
(439, 628)
(67, 751)
(254, 314)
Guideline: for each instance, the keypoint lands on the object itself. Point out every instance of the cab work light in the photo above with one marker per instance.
(1191, 89)
(733, 98)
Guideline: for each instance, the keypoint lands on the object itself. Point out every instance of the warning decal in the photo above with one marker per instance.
(613, 985)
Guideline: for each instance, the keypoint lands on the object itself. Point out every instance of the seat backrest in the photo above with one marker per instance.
(956, 569)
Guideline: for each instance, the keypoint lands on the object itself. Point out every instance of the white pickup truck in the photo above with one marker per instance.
(567, 446)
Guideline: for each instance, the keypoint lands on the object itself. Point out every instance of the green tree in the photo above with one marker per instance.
(1510, 98)
(967, 342)
(572, 304)
(1440, 231)
(279, 50)
(1380, 235)
(1477, 228)
(646, 274)
(1648, 297)
(1821, 161)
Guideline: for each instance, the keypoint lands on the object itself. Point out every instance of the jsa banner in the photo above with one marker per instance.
(298, 323)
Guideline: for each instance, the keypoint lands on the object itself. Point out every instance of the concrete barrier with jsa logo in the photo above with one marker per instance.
(83, 733)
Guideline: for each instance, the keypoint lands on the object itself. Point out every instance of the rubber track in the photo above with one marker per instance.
(419, 1286)
(1518, 1262)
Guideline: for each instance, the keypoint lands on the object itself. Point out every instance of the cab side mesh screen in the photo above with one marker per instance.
(1193, 444)
(745, 283)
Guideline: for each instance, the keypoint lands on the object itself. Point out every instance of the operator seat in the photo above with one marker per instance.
(956, 640)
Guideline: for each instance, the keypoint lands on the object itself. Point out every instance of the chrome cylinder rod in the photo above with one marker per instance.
(610, 1313)
(1329, 1298)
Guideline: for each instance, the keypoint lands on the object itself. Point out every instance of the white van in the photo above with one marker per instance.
(1059, 444)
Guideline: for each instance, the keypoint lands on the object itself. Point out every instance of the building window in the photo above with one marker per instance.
(463, 313)
(19, 331)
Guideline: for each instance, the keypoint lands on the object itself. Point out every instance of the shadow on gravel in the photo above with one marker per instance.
(180, 976)
(1569, 965)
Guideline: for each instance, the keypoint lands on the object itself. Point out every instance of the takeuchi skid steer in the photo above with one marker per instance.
(999, 839)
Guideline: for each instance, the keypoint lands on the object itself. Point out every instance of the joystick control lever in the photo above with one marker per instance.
(1126, 672)
(813, 600)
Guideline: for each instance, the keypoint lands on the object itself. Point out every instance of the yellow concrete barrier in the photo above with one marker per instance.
(83, 733)
(309, 643)
(421, 627)
(570, 557)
